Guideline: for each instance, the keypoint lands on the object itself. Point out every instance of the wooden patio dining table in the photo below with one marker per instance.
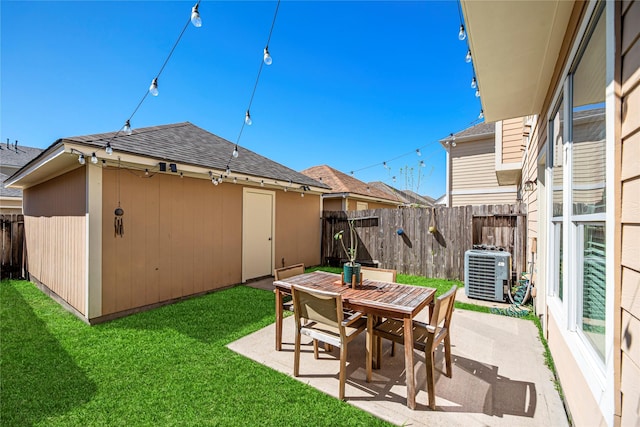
(373, 298)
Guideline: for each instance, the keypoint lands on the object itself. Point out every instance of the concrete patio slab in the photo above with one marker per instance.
(499, 376)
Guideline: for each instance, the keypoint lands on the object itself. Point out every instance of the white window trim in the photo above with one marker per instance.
(597, 374)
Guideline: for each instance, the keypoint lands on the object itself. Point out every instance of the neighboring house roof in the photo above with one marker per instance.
(17, 156)
(342, 183)
(442, 200)
(12, 158)
(187, 144)
(407, 197)
(480, 129)
(8, 192)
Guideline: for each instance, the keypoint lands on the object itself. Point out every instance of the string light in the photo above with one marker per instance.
(195, 16)
(108, 149)
(467, 58)
(474, 83)
(418, 152)
(146, 172)
(462, 34)
(228, 170)
(94, 159)
(81, 159)
(481, 115)
(247, 118)
(214, 181)
(422, 163)
(127, 128)
(477, 93)
(153, 88)
(267, 57)
(235, 152)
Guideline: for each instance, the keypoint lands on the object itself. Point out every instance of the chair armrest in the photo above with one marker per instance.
(427, 326)
(349, 320)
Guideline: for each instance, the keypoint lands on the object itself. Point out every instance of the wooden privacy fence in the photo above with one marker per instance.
(13, 247)
(400, 238)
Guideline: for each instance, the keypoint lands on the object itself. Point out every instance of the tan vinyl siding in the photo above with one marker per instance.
(473, 171)
(473, 165)
(512, 140)
(56, 235)
(483, 199)
(630, 215)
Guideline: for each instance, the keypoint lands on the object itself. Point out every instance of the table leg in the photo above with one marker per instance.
(408, 363)
(369, 348)
(278, 320)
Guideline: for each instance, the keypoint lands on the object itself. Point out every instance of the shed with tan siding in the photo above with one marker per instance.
(183, 234)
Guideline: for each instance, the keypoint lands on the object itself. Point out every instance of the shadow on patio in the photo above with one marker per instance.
(499, 376)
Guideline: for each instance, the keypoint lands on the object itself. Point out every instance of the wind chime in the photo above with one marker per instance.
(118, 223)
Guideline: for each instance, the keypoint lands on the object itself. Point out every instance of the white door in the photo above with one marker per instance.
(257, 233)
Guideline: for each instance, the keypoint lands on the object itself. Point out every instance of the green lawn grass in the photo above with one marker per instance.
(163, 367)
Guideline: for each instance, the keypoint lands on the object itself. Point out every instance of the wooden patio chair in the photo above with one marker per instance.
(324, 322)
(284, 273)
(381, 274)
(426, 337)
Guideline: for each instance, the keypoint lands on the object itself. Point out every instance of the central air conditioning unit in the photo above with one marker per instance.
(487, 274)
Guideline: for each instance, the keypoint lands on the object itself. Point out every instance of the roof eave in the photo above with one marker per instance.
(515, 46)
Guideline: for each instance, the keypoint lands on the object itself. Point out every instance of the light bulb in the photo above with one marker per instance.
(262, 183)
(94, 159)
(127, 125)
(384, 165)
(146, 172)
(267, 58)
(235, 180)
(477, 93)
(481, 115)
(462, 33)
(453, 143)
(285, 189)
(235, 152)
(228, 171)
(214, 181)
(81, 159)
(418, 152)
(467, 59)
(195, 17)
(422, 163)
(301, 194)
(153, 88)
(108, 149)
(474, 83)
(247, 118)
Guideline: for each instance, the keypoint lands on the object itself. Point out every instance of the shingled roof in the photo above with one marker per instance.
(185, 143)
(15, 156)
(477, 130)
(342, 183)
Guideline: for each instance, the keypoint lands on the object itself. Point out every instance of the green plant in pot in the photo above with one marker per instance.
(351, 267)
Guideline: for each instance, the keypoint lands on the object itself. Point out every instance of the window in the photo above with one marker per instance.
(577, 166)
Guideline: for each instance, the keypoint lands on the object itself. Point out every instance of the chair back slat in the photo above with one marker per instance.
(380, 274)
(317, 306)
(290, 271)
(443, 308)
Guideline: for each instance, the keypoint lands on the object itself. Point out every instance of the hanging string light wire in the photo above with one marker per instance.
(412, 153)
(469, 58)
(247, 120)
(126, 128)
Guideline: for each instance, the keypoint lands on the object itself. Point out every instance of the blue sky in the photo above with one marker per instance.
(352, 84)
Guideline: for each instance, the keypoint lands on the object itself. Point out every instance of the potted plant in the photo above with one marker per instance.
(350, 268)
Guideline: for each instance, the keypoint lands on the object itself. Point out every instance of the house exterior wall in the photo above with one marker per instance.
(512, 140)
(332, 204)
(630, 213)
(352, 204)
(473, 175)
(625, 221)
(10, 205)
(298, 227)
(183, 236)
(56, 236)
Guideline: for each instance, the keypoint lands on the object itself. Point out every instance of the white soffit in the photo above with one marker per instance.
(515, 46)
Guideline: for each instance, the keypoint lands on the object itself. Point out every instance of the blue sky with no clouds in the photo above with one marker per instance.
(352, 84)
